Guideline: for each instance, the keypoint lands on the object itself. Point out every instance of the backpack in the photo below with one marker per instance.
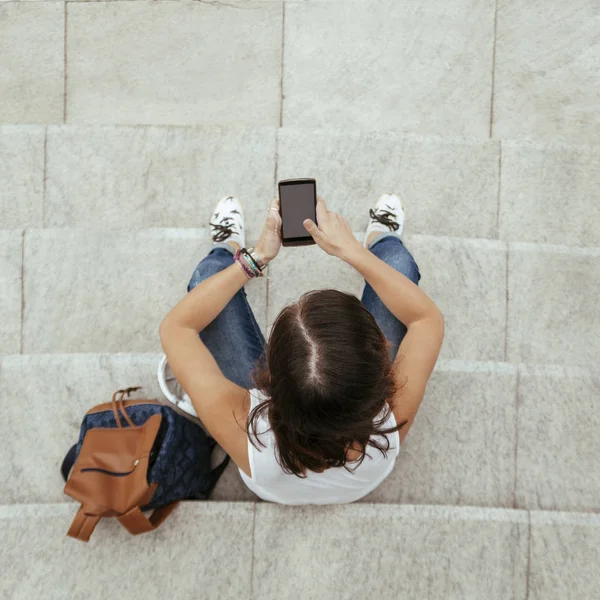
(136, 455)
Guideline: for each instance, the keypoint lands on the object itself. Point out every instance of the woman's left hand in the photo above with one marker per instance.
(269, 243)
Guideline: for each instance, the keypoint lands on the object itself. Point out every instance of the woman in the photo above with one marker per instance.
(318, 414)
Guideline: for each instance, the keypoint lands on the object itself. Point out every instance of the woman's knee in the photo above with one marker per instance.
(206, 268)
(398, 257)
(408, 266)
(197, 278)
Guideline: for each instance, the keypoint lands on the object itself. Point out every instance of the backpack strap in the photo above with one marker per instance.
(117, 404)
(214, 476)
(68, 461)
(83, 526)
(136, 522)
(216, 473)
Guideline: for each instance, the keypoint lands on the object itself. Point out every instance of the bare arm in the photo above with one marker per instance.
(406, 301)
(421, 345)
(220, 404)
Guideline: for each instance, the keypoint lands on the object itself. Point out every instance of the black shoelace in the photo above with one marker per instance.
(384, 218)
(223, 231)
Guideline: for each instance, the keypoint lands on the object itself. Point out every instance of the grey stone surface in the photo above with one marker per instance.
(461, 448)
(137, 177)
(449, 187)
(381, 65)
(32, 62)
(21, 176)
(549, 194)
(378, 96)
(553, 315)
(565, 552)
(202, 548)
(106, 291)
(65, 386)
(557, 461)
(547, 71)
(388, 552)
(62, 388)
(467, 280)
(10, 297)
(191, 63)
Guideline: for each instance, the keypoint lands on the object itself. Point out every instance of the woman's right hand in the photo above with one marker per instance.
(333, 233)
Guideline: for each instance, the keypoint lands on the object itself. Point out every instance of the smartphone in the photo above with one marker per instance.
(297, 201)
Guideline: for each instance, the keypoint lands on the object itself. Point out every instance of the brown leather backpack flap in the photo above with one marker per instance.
(109, 477)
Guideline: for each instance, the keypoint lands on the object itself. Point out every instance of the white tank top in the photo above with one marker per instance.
(335, 485)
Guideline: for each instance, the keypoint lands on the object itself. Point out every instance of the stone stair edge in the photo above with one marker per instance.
(423, 511)
(193, 232)
(360, 132)
(442, 365)
(427, 511)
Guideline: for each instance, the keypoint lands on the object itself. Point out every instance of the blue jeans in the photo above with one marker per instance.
(234, 337)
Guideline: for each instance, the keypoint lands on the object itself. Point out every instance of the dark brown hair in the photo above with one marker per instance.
(327, 374)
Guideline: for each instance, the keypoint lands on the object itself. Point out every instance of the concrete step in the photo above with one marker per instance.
(240, 550)
(138, 177)
(107, 290)
(157, 177)
(11, 280)
(381, 66)
(487, 434)
(100, 290)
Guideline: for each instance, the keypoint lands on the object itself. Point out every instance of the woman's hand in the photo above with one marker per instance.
(269, 243)
(333, 233)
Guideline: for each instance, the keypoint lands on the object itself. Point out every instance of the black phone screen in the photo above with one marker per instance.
(298, 202)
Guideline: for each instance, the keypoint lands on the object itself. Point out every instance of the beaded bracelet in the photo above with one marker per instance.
(237, 257)
(251, 256)
(250, 260)
(259, 263)
(255, 272)
(249, 263)
(244, 268)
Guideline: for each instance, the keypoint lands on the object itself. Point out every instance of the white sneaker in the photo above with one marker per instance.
(388, 215)
(171, 389)
(227, 222)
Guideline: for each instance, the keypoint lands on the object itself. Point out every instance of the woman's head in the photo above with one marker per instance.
(327, 375)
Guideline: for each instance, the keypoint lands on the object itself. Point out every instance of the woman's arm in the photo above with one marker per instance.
(220, 404)
(424, 322)
(405, 300)
(421, 345)
(201, 306)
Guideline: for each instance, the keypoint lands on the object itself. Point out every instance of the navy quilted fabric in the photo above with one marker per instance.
(180, 459)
